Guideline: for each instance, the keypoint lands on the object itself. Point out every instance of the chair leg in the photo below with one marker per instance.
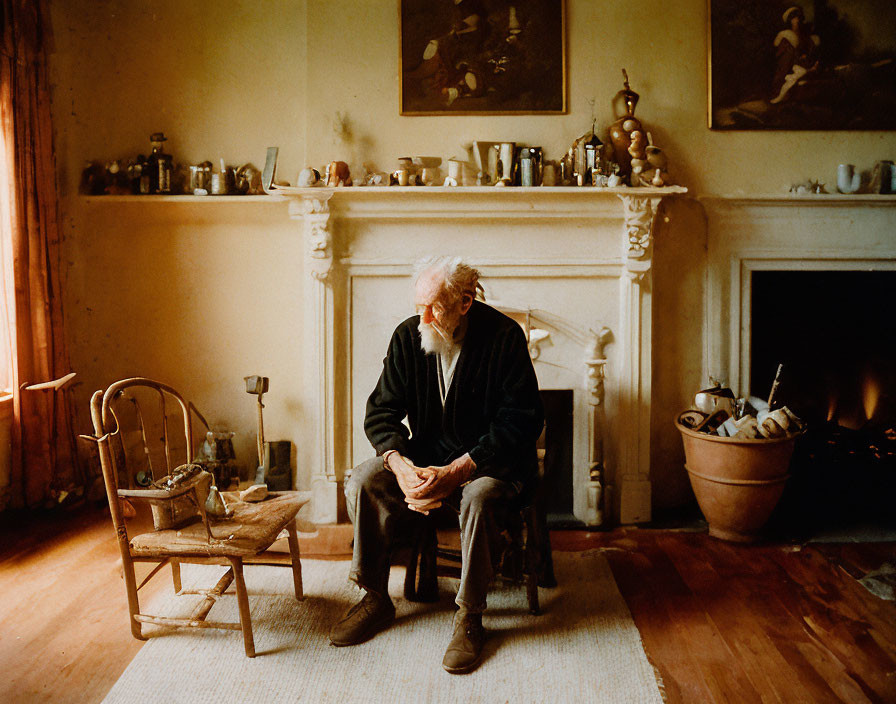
(532, 560)
(532, 593)
(421, 582)
(428, 585)
(243, 600)
(175, 575)
(130, 583)
(295, 557)
(545, 565)
(410, 574)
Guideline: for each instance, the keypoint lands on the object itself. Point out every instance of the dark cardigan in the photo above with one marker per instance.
(493, 409)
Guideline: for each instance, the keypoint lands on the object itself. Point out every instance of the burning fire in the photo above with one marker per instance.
(870, 396)
(832, 407)
(851, 417)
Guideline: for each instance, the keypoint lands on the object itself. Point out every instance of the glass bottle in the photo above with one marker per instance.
(160, 165)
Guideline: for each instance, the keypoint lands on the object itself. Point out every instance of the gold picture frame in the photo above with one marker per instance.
(482, 57)
(801, 65)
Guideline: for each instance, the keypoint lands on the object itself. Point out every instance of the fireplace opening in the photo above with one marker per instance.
(835, 333)
(557, 485)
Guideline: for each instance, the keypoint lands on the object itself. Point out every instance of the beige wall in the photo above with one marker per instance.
(202, 294)
(198, 295)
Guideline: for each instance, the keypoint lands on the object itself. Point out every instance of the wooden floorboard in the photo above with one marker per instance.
(791, 625)
(720, 622)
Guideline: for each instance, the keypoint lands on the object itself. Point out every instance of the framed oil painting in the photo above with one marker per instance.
(802, 65)
(482, 57)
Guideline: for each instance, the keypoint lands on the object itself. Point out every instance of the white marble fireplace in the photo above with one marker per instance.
(573, 264)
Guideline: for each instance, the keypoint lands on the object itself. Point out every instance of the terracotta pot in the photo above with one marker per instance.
(737, 482)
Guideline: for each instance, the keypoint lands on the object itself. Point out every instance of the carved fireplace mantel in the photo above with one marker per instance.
(577, 260)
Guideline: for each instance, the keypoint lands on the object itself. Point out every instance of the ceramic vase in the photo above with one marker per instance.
(737, 482)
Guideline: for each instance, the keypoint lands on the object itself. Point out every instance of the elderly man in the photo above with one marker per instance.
(459, 372)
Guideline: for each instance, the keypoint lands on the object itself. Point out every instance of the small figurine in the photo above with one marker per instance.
(248, 180)
(377, 178)
(135, 174)
(338, 174)
(308, 177)
(807, 187)
(116, 179)
(636, 147)
(92, 179)
(638, 156)
(657, 161)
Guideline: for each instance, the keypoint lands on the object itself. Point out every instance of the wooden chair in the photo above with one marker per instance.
(526, 558)
(238, 539)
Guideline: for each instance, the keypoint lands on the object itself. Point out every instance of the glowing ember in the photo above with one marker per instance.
(870, 396)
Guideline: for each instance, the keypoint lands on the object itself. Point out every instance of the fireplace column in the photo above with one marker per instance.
(633, 473)
(596, 367)
(319, 370)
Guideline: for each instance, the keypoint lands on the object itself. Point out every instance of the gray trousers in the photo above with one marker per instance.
(379, 513)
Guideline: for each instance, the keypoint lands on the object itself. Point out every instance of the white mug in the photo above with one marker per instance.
(848, 180)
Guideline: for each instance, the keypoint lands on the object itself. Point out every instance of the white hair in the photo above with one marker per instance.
(459, 277)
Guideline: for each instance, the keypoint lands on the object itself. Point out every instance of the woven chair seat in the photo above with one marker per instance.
(250, 530)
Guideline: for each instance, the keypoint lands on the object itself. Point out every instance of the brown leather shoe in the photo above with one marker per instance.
(363, 620)
(465, 649)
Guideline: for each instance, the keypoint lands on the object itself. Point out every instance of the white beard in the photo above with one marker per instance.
(433, 340)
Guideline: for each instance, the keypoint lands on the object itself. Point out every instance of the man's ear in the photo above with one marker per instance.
(466, 300)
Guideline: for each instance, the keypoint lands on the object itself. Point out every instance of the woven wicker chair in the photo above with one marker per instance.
(188, 534)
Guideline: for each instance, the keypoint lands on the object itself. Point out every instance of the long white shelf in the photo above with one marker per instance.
(804, 198)
(382, 192)
(181, 199)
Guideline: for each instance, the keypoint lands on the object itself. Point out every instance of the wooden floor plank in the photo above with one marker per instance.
(694, 653)
(748, 618)
(858, 629)
(680, 675)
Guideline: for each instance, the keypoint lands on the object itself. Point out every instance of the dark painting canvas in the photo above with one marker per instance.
(811, 65)
(482, 57)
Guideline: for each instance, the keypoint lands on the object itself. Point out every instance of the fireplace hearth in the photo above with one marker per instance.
(840, 376)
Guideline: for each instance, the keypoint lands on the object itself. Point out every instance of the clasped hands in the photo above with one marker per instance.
(425, 487)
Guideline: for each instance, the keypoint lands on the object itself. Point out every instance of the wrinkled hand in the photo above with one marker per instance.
(409, 476)
(423, 506)
(439, 482)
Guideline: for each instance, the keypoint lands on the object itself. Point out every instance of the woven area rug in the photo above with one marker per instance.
(584, 647)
